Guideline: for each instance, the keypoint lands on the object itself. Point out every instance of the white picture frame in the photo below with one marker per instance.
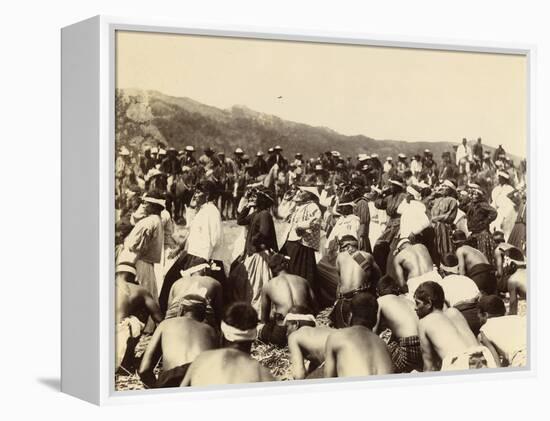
(88, 150)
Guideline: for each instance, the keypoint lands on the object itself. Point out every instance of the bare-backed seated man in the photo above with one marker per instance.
(197, 283)
(396, 312)
(413, 265)
(279, 295)
(233, 363)
(356, 350)
(358, 272)
(179, 341)
(134, 304)
(306, 341)
(474, 264)
(516, 270)
(445, 337)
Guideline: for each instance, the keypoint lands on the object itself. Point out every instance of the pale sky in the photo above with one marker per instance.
(383, 93)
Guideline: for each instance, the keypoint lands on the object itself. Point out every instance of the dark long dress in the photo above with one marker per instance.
(518, 236)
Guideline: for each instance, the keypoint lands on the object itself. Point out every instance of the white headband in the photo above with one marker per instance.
(160, 202)
(296, 317)
(450, 269)
(232, 334)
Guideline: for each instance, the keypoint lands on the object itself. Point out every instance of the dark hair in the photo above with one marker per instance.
(431, 291)
(491, 304)
(387, 286)
(364, 310)
(449, 259)
(197, 308)
(278, 262)
(241, 315)
(515, 254)
(155, 208)
(209, 189)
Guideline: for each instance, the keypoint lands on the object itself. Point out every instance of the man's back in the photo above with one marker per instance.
(225, 366)
(205, 286)
(312, 341)
(415, 260)
(352, 274)
(129, 300)
(183, 339)
(448, 333)
(357, 351)
(397, 314)
(286, 291)
(470, 257)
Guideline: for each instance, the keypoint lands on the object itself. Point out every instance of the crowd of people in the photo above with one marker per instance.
(420, 265)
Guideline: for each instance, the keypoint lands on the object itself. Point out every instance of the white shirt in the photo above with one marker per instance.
(458, 288)
(345, 225)
(413, 218)
(206, 234)
(462, 152)
(507, 333)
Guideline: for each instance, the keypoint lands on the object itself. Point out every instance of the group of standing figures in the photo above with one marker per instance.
(414, 262)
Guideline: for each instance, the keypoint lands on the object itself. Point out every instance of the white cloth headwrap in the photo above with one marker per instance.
(232, 334)
(296, 317)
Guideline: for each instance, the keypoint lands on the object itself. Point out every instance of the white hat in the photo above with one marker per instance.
(362, 157)
(374, 155)
(154, 200)
(389, 158)
(129, 267)
(427, 151)
(503, 174)
(335, 153)
(190, 148)
(239, 150)
(310, 190)
(415, 193)
(162, 152)
(259, 153)
(402, 155)
(448, 183)
(124, 151)
(154, 150)
(278, 148)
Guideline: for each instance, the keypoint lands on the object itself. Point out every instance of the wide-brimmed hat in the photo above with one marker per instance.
(449, 183)
(310, 189)
(362, 157)
(415, 192)
(397, 181)
(374, 155)
(401, 156)
(476, 187)
(503, 174)
(265, 192)
(128, 267)
(239, 151)
(154, 200)
(190, 148)
(277, 148)
(389, 158)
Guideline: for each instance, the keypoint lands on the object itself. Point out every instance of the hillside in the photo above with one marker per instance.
(147, 117)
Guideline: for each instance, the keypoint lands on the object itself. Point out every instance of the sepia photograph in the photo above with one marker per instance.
(291, 210)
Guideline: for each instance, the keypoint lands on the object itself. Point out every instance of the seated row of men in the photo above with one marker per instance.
(432, 323)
